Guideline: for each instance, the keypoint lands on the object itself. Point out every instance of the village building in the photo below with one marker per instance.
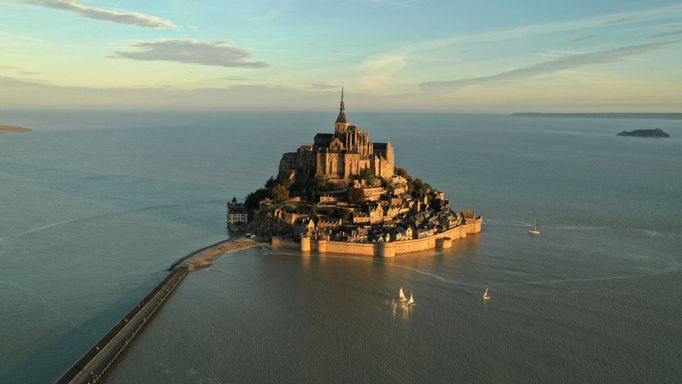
(376, 214)
(360, 194)
(409, 234)
(237, 213)
(328, 223)
(303, 226)
(328, 199)
(391, 211)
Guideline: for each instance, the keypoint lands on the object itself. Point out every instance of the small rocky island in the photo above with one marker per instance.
(344, 194)
(655, 133)
(13, 128)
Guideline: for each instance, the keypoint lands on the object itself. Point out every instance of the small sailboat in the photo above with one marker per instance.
(486, 295)
(411, 301)
(534, 231)
(401, 295)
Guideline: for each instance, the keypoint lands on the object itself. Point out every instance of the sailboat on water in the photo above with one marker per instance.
(402, 296)
(411, 301)
(534, 231)
(486, 295)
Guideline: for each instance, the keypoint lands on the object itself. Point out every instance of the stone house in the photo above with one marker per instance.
(303, 226)
(376, 214)
(237, 213)
(359, 234)
(328, 223)
(360, 217)
(328, 199)
(359, 194)
(425, 232)
(449, 221)
(391, 211)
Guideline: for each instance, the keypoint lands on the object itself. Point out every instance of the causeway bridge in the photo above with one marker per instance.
(94, 363)
(92, 366)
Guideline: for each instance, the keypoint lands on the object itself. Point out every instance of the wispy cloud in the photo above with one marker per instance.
(238, 78)
(583, 38)
(322, 86)
(603, 21)
(552, 66)
(191, 51)
(16, 70)
(622, 20)
(21, 38)
(670, 33)
(380, 70)
(112, 15)
(394, 3)
(27, 92)
(434, 49)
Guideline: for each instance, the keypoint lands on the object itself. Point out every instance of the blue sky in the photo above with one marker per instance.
(411, 55)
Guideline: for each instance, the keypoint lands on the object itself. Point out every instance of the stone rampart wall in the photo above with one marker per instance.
(390, 249)
(439, 240)
(282, 242)
(366, 249)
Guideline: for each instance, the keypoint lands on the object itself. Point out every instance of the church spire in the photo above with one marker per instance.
(342, 109)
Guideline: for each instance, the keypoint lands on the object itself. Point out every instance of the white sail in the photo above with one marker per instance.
(534, 230)
(402, 295)
(411, 301)
(486, 295)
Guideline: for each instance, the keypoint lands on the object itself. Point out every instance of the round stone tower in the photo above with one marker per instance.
(305, 244)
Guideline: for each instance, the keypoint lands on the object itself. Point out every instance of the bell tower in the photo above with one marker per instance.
(341, 121)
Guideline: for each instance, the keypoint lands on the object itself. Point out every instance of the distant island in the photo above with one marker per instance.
(12, 128)
(344, 194)
(655, 133)
(650, 116)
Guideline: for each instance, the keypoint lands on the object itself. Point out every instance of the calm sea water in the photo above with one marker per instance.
(94, 206)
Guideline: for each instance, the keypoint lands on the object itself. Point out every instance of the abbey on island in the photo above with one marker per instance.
(338, 156)
(344, 194)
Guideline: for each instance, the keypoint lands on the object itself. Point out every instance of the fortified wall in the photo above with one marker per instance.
(384, 249)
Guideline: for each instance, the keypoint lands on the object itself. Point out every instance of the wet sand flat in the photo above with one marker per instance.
(13, 128)
(206, 256)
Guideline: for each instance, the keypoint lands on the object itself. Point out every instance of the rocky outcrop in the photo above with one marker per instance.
(655, 133)
(297, 167)
(266, 224)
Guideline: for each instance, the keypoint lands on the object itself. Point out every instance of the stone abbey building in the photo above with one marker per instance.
(338, 156)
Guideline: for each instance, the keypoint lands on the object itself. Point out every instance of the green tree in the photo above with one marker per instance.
(345, 215)
(424, 189)
(368, 176)
(313, 214)
(403, 172)
(253, 199)
(271, 183)
(280, 193)
(314, 188)
(366, 173)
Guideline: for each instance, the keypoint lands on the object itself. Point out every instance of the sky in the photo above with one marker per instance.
(475, 56)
